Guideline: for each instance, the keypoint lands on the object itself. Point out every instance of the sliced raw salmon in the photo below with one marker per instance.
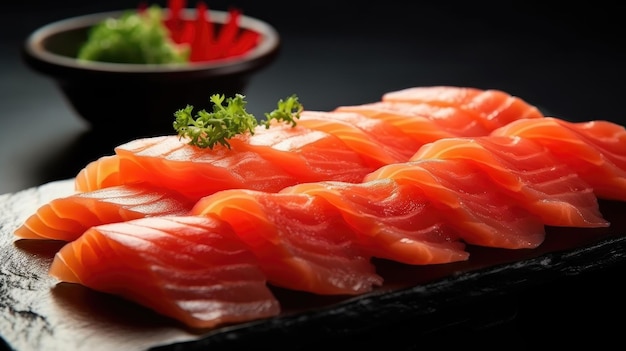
(378, 142)
(421, 121)
(528, 173)
(596, 150)
(68, 217)
(468, 202)
(308, 155)
(193, 269)
(199, 234)
(169, 163)
(98, 174)
(390, 220)
(269, 160)
(495, 107)
(301, 242)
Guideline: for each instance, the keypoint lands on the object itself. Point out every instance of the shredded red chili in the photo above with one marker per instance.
(207, 40)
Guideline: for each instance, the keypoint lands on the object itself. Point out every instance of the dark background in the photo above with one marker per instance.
(567, 60)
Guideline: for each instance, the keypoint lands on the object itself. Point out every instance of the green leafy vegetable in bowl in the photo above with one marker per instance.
(135, 37)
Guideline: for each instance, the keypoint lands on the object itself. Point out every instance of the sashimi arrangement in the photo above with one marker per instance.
(203, 234)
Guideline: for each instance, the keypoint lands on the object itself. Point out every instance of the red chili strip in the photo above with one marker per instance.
(200, 34)
(228, 32)
(246, 41)
(202, 42)
(174, 23)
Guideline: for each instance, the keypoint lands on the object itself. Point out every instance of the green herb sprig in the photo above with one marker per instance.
(285, 112)
(206, 129)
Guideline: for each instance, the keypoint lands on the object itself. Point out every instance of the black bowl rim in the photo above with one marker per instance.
(59, 65)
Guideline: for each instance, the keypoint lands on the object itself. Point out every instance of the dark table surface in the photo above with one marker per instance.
(568, 61)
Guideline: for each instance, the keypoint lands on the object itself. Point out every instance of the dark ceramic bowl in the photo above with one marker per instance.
(141, 98)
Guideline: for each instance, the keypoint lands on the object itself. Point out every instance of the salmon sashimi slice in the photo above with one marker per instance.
(300, 241)
(379, 143)
(421, 121)
(170, 163)
(442, 95)
(67, 218)
(192, 269)
(308, 155)
(528, 173)
(269, 160)
(468, 203)
(390, 221)
(495, 108)
(98, 174)
(595, 149)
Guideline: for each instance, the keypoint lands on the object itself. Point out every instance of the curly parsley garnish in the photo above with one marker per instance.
(285, 112)
(206, 129)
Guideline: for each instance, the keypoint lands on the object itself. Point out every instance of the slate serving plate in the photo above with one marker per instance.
(36, 313)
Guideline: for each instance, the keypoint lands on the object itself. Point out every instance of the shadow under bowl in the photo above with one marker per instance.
(141, 98)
